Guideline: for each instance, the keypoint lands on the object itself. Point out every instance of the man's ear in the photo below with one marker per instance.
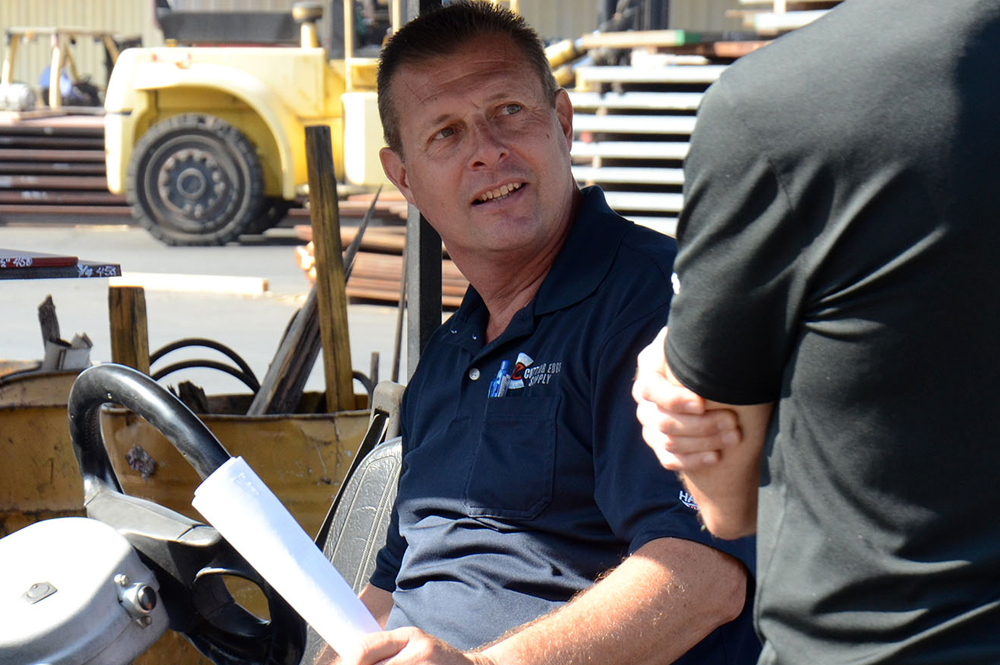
(395, 170)
(564, 111)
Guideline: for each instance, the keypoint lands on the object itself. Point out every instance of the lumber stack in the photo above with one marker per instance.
(774, 17)
(632, 127)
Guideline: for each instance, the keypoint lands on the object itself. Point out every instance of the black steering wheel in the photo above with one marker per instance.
(189, 558)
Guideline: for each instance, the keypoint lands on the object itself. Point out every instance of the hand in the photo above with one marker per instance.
(676, 423)
(411, 646)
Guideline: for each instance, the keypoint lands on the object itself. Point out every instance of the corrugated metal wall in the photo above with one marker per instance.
(551, 18)
(123, 17)
(560, 19)
(704, 15)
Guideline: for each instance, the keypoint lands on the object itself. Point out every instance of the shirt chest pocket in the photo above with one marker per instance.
(513, 469)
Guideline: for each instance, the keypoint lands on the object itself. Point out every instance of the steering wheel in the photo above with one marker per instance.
(189, 558)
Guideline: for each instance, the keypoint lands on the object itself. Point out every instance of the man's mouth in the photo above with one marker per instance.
(501, 192)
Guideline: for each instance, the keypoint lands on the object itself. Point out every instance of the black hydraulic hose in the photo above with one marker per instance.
(211, 344)
(250, 381)
(117, 384)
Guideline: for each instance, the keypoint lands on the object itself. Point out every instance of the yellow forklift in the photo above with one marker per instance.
(205, 136)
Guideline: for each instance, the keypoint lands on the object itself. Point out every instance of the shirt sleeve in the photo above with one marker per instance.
(737, 271)
(640, 500)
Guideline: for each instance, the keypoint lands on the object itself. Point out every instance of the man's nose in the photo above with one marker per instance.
(488, 145)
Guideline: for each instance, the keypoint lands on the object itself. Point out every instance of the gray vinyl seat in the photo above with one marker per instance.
(361, 519)
(356, 527)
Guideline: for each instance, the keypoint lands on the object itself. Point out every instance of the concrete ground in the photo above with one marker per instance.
(251, 324)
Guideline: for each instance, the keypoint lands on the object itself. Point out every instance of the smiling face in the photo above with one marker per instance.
(484, 155)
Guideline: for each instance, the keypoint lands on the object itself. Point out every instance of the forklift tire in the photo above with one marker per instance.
(271, 213)
(195, 180)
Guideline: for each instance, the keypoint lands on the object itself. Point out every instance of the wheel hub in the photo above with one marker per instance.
(192, 184)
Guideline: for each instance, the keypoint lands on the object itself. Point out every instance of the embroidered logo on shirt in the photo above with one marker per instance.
(675, 281)
(688, 500)
(527, 373)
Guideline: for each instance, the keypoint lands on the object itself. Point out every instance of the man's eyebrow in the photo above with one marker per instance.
(445, 117)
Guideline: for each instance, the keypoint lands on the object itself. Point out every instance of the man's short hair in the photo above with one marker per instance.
(444, 31)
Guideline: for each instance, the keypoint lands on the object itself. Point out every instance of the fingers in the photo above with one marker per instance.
(655, 383)
(407, 646)
(687, 443)
(379, 647)
(675, 423)
(685, 463)
(719, 427)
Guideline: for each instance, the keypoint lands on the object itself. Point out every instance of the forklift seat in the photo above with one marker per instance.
(355, 528)
(361, 519)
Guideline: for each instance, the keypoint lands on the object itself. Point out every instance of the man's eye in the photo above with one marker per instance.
(511, 109)
(444, 133)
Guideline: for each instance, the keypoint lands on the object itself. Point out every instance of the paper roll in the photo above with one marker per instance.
(238, 503)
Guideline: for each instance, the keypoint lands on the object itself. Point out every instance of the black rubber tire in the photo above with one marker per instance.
(272, 211)
(195, 180)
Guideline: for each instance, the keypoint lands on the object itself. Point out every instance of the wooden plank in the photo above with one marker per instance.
(735, 50)
(69, 198)
(29, 154)
(645, 101)
(648, 201)
(68, 210)
(630, 150)
(282, 386)
(791, 5)
(664, 225)
(59, 125)
(639, 38)
(63, 142)
(629, 175)
(391, 266)
(769, 23)
(706, 74)
(42, 168)
(634, 124)
(387, 295)
(129, 328)
(334, 332)
(53, 182)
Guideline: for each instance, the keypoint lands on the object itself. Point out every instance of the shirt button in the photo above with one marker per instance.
(474, 374)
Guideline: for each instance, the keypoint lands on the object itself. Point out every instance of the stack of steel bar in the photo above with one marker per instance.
(54, 165)
(379, 266)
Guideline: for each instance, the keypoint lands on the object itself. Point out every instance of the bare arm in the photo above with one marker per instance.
(715, 447)
(378, 601)
(655, 606)
(726, 490)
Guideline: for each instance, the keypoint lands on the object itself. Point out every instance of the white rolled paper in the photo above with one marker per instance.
(238, 503)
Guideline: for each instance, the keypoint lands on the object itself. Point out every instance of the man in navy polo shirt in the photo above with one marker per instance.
(525, 478)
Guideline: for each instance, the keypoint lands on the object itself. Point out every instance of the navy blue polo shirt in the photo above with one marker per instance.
(510, 504)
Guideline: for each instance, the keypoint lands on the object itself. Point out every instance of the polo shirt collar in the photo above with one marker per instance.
(585, 259)
(578, 269)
